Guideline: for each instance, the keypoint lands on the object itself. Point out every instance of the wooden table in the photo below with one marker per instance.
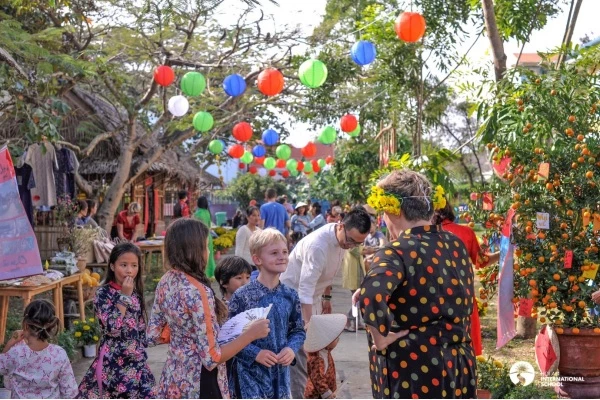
(27, 293)
(149, 248)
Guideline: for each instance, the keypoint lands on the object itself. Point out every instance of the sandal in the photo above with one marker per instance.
(350, 327)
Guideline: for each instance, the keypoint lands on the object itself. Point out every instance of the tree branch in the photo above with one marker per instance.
(6, 56)
(496, 42)
(83, 153)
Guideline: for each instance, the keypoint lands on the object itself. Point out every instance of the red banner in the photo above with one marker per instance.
(19, 253)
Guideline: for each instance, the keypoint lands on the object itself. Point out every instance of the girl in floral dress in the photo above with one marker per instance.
(32, 367)
(186, 304)
(121, 370)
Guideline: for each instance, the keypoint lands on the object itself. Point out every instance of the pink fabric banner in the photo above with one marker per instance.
(19, 253)
(506, 320)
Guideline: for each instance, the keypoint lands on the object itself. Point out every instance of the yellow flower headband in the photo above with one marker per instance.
(383, 201)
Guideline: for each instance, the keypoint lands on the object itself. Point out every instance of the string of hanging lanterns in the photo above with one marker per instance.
(409, 27)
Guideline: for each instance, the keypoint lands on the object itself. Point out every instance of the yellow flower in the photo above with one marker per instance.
(384, 202)
(95, 338)
(439, 201)
(86, 328)
(91, 320)
(497, 364)
(77, 334)
(76, 322)
(480, 359)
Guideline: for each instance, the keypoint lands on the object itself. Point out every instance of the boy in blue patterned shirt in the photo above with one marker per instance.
(262, 368)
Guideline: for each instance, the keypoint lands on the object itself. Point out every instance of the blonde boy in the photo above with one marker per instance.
(262, 368)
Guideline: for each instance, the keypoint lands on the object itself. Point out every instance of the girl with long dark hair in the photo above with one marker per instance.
(186, 304)
(121, 368)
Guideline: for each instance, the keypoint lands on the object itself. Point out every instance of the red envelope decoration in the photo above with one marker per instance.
(500, 167)
(547, 351)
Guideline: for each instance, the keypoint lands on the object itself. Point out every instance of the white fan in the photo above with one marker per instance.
(236, 325)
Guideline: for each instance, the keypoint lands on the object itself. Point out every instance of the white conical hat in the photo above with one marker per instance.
(322, 330)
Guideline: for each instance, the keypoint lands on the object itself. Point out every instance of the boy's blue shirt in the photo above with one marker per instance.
(287, 330)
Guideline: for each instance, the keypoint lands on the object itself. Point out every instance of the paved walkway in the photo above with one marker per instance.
(350, 355)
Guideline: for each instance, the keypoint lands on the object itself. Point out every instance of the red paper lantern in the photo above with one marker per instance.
(316, 166)
(285, 174)
(164, 75)
(241, 165)
(242, 131)
(236, 151)
(309, 150)
(348, 123)
(300, 166)
(253, 169)
(272, 172)
(270, 82)
(280, 163)
(410, 26)
(329, 160)
(259, 160)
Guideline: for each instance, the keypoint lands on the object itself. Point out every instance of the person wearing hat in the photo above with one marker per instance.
(300, 222)
(322, 336)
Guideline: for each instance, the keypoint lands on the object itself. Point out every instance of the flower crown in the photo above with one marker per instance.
(390, 203)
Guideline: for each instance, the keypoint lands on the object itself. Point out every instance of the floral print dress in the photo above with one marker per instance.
(125, 371)
(189, 312)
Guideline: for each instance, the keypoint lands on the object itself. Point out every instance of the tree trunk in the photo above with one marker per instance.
(467, 170)
(569, 33)
(108, 209)
(489, 15)
(526, 327)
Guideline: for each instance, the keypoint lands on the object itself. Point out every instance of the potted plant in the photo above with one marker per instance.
(493, 380)
(543, 130)
(82, 239)
(87, 333)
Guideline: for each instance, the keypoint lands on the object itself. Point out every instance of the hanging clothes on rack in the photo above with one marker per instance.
(65, 175)
(42, 158)
(25, 182)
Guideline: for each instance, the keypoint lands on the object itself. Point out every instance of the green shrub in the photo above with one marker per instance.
(531, 392)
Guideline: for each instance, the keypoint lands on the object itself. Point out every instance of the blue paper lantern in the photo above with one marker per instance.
(234, 85)
(270, 137)
(363, 52)
(259, 151)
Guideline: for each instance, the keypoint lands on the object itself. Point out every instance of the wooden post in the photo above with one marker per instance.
(526, 327)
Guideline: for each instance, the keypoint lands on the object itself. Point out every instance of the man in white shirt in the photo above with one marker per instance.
(312, 266)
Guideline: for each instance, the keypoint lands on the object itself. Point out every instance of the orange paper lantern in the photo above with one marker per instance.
(270, 82)
(236, 151)
(410, 26)
(280, 163)
(309, 150)
(242, 131)
(348, 123)
(329, 159)
(259, 160)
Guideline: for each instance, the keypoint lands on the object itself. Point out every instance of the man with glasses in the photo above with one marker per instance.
(312, 266)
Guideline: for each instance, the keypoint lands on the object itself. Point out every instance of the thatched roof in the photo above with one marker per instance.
(92, 114)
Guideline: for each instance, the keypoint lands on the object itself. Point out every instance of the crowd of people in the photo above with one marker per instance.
(415, 293)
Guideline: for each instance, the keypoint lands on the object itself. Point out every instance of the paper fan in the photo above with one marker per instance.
(236, 325)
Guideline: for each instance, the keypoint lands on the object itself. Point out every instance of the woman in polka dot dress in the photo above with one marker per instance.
(417, 298)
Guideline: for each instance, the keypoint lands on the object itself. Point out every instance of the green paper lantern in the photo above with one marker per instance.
(269, 163)
(294, 173)
(247, 158)
(355, 132)
(193, 84)
(291, 165)
(215, 146)
(283, 151)
(328, 135)
(203, 121)
(308, 167)
(321, 163)
(312, 73)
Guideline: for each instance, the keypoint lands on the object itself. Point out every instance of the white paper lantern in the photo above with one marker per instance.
(299, 140)
(178, 106)
(262, 172)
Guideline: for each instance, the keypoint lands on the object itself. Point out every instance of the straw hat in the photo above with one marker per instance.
(322, 330)
(301, 204)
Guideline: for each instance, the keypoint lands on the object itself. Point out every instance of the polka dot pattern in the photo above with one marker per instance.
(422, 282)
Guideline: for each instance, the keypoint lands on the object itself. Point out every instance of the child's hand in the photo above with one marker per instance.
(16, 337)
(266, 358)
(285, 356)
(258, 329)
(356, 296)
(596, 296)
(127, 288)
